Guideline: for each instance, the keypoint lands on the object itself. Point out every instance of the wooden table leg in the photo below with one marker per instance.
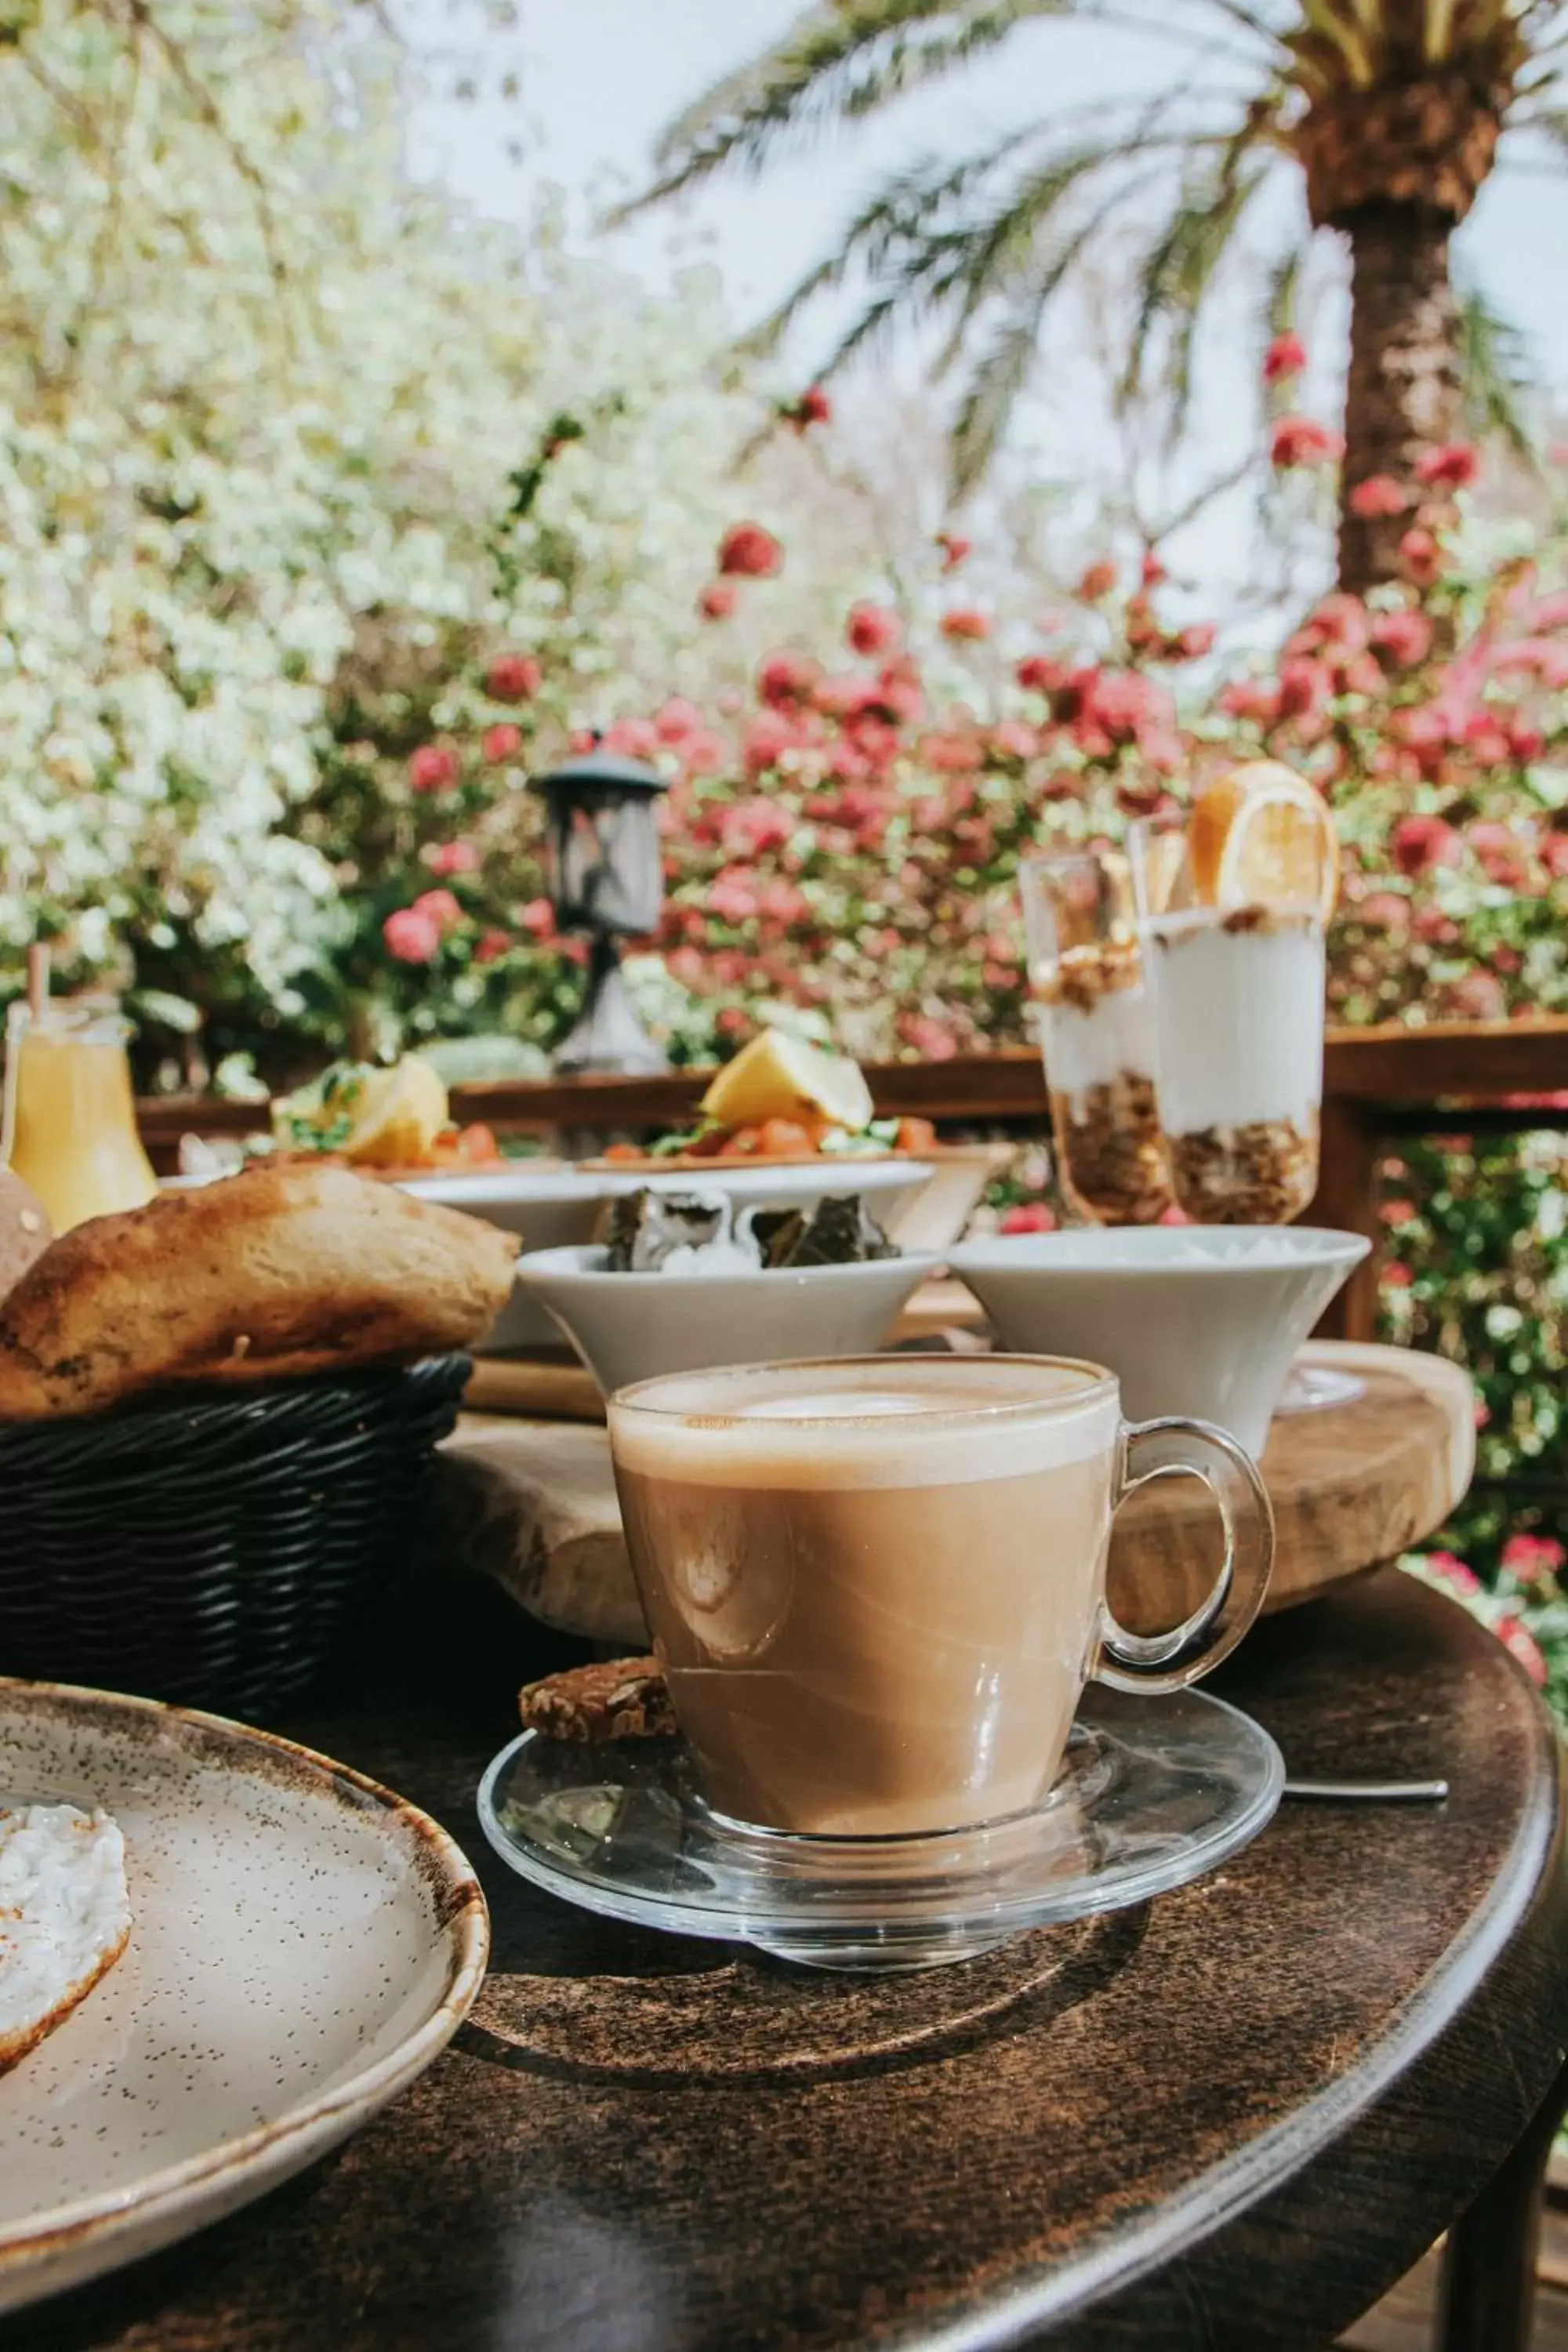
(1485, 2299)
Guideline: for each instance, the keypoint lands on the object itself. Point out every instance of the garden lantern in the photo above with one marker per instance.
(606, 879)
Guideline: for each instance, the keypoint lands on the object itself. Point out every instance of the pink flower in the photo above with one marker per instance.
(1452, 1570)
(512, 678)
(1421, 556)
(717, 601)
(1194, 641)
(1027, 1217)
(491, 946)
(1452, 467)
(633, 738)
(1528, 1557)
(768, 738)
(1251, 697)
(677, 720)
(703, 755)
(1385, 910)
(1041, 674)
(412, 936)
(871, 628)
(1380, 495)
(433, 769)
(500, 742)
(537, 918)
(1405, 638)
(1011, 740)
(1174, 1215)
(1097, 581)
(1151, 572)
(439, 906)
(1521, 1645)
(732, 897)
(754, 826)
(1477, 996)
(452, 857)
(1304, 689)
(749, 552)
(1286, 356)
(964, 623)
(1300, 441)
(1421, 843)
(953, 549)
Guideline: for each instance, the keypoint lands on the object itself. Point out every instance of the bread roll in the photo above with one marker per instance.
(272, 1274)
(25, 1230)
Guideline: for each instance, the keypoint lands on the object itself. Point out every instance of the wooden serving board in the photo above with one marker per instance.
(532, 1502)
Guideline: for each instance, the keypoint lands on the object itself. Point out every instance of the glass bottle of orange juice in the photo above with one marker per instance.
(69, 1115)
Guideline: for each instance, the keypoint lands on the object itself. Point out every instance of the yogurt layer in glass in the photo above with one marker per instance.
(1096, 1034)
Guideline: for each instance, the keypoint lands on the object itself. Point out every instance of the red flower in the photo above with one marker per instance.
(1040, 673)
(1404, 637)
(953, 549)
(1421, 843)
(1027, 1217)
(537, 918)
(499, 743)
(1477, 996)
(1378, 496)
(491, 946)
(1522, 1644)
(1300, 441)
(512, 678)
(1153, 572)
(1194, 641)
(748, 551)
(717, 601)
(767, 740)
(784, 679)
(1097, 581)
(1421, 556)
(1304, 689)
(812, 407)
(452, 857)
(871, 629)
(964, 621)
(1395, 1278)
(1251, 697)
(412, 936)
(1286, 356)
(1528, 1557)
(433, 769)
(1452, 467)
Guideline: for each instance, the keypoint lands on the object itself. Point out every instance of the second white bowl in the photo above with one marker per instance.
(1196, 1320)
(630, 1327)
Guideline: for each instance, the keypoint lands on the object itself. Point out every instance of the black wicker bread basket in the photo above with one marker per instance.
(217, 1551)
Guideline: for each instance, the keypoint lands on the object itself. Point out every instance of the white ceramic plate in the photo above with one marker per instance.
(304, 1943)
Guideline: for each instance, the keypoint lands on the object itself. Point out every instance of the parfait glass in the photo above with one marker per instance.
(1237, 988)
(1096, 1034)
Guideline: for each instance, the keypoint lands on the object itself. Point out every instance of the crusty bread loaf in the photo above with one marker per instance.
(272, 1274)
(24, 1229)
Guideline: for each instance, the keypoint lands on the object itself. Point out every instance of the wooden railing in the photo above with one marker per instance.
(1378, 1085)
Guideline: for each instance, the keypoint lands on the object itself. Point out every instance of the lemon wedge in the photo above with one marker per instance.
(780, 1077)
(396, 1115)
(1261, 836)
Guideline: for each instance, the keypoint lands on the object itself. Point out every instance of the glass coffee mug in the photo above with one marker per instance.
(877, 1583)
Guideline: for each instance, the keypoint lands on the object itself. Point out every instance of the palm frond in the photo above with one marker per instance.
(1002, 369)
(836, 63)
(1499, 381)
(1181, 263)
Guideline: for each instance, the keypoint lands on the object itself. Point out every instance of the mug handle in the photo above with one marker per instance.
(1169, 1661)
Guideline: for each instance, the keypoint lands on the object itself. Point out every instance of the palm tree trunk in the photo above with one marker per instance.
(1404, 393)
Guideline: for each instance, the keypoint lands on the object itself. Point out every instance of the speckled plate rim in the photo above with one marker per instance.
(68, 2244)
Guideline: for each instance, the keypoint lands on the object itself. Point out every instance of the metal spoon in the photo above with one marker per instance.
(1375, 1792)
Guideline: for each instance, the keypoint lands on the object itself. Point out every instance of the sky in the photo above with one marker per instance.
(598, 79)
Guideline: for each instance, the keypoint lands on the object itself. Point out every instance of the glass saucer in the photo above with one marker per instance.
(1154, 1791)
(1311, 1387)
